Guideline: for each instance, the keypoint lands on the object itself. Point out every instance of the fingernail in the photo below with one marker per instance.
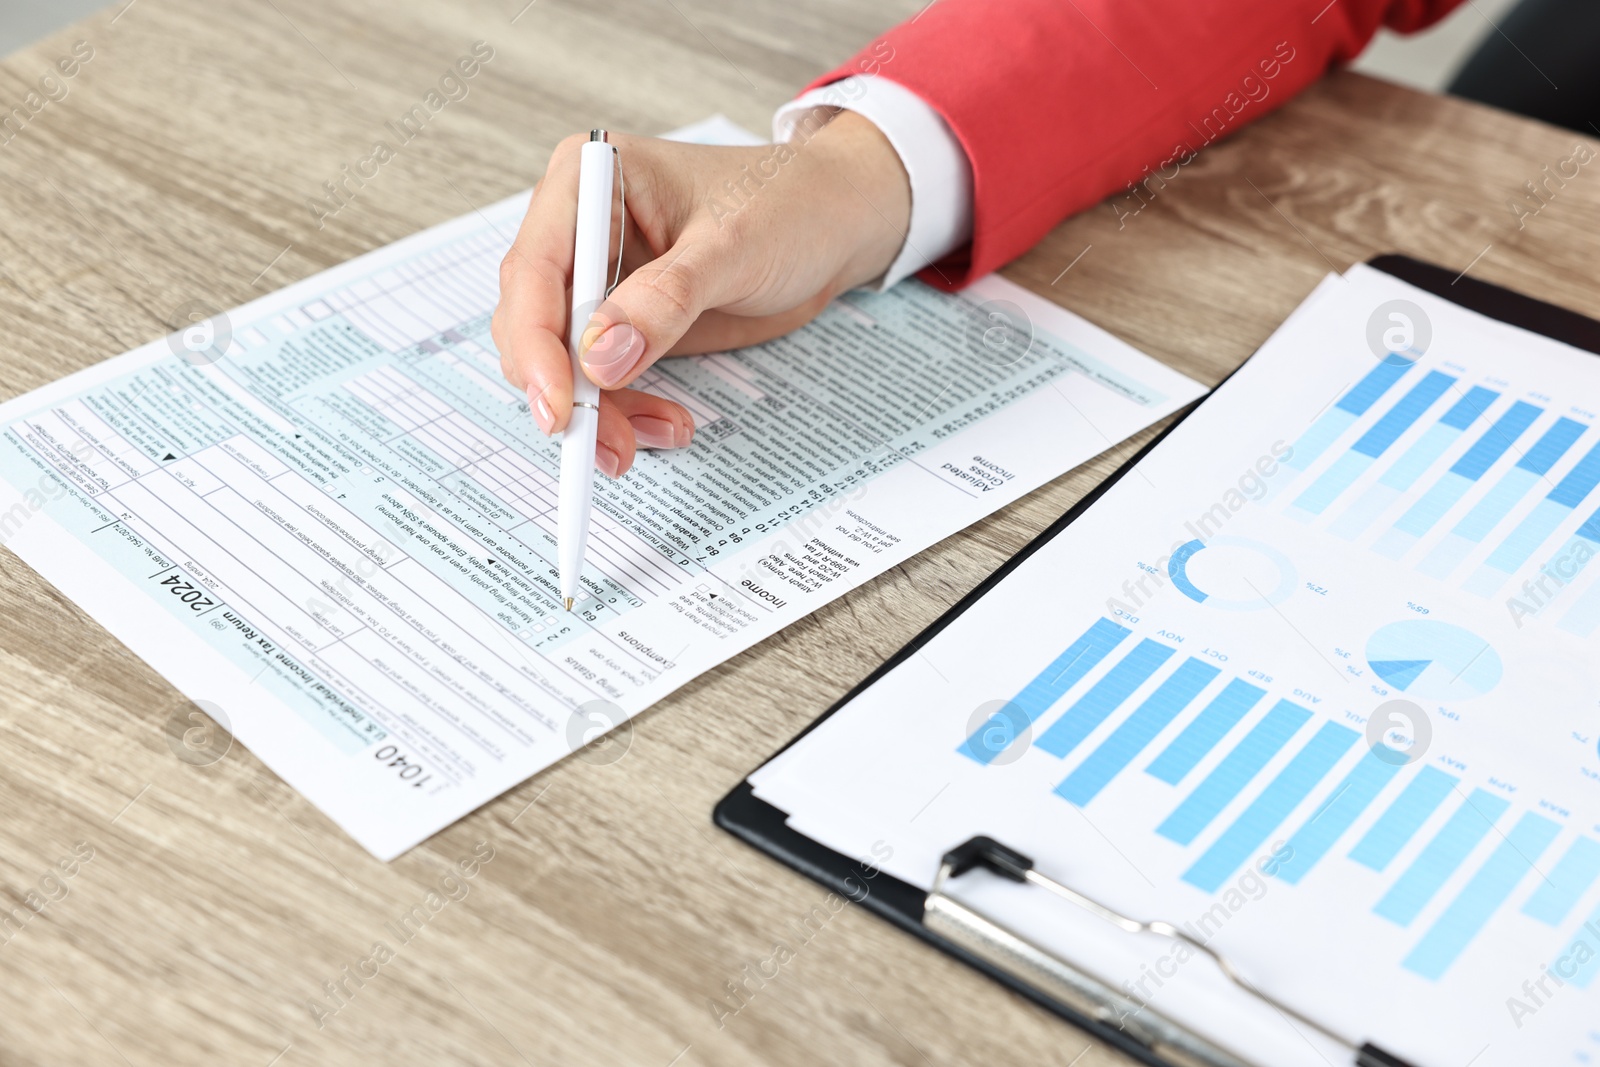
(541, 410)
(652, 432)
(610, 356)
(607, 460)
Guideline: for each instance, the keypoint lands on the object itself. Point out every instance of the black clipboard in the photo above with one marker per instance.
(764, 826)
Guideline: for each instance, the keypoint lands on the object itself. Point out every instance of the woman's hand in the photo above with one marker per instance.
(724, 247)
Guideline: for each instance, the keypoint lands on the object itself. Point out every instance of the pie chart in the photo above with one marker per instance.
(1434, 660)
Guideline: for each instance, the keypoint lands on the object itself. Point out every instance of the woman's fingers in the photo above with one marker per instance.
(644, 316)
(629, 420)
(529, 325)
(656, 421)
(726, 247)
(614, 444)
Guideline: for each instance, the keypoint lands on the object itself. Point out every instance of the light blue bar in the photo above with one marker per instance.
(1406, 411)
(1440, 498)
(1473, 464)
(1563, 567)
(1068, 732)
(1201, 736)
(1585, 943)
(1395, 828)
(1496, 440)
(1420, 456)
(1333, 481)
(1529, 534)
(1393, 544)
(1446, 556)
(1569, 561)
(1483, 895)
(1136, 731)
(1368, 506)
(1339, 812)
(1045, 689)
(1496, 504)
(1237, 768)
(1447, 851)
(1315, 441)
(1568, 881)
(1584, 615)
(1485, 581)
(1436, 440)
(1233, 849)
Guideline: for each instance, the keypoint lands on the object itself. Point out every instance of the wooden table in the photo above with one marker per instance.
(218, 902)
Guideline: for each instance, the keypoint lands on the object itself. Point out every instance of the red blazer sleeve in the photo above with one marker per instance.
(1060, 103)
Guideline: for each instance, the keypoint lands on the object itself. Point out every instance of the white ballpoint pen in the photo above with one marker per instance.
(591, 255)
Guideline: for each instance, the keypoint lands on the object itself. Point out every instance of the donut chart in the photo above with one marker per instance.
(1232, 573)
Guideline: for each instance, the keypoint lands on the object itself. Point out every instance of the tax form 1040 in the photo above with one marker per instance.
(327, 517)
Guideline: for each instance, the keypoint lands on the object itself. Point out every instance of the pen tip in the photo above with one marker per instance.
(569, 603)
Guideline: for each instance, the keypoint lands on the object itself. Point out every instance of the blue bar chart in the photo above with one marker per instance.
(1330, 822)
(1334, 423)
(1492, 885)
(1583, 618)
(1009, 723)
(1104, 697)
(1202, 735)
(1400, 823)
(1497, 503)
(1250, 831)
(1128, 740)
(1568, 880)
(1344, 471)
(1581, 948)
(1468, 825)
(1454, 484)
(1414, 462)
(1234, 773)
(1441, 443)
(1245, 770)
(1538, 526)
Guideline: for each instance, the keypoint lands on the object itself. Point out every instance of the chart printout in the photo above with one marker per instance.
(1317, 682)
(335, 521)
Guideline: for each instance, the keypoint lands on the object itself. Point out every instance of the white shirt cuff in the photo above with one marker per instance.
(940, 173)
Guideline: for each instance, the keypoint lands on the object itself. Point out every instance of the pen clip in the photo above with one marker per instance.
(622, 227)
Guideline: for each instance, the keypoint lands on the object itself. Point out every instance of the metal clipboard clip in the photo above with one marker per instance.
(1080, 991)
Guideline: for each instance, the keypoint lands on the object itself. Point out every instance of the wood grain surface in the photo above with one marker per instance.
(217, 902)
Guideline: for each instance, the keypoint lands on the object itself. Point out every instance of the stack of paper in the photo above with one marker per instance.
(1316, 681)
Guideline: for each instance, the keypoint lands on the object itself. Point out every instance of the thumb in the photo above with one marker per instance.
(645, 316)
